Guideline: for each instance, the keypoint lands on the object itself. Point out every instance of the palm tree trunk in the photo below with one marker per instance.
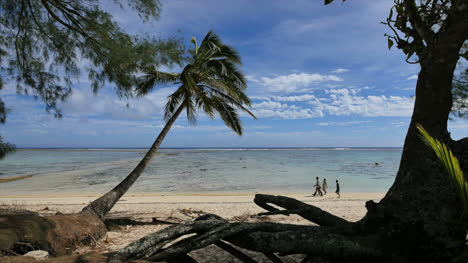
(104, 204)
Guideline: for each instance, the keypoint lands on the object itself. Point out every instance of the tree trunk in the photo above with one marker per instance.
(420, 216)
(104, 204)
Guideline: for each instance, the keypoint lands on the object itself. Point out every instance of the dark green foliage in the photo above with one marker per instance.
(211, 82)
(42, 43)
(5, 148)
(46, 44)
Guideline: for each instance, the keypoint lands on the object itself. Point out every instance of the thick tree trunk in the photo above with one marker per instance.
(420, 217)
(104, 204)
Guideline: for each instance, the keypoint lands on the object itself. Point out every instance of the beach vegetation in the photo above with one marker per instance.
(5, 148)
(211, 82)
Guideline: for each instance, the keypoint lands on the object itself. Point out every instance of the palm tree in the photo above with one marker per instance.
(211, 82)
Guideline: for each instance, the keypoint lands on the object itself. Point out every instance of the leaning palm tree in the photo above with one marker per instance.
(211, 82)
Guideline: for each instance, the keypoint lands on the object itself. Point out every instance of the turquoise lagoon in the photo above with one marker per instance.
(94, 171)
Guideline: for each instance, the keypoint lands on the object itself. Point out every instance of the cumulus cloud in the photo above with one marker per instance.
(291, 83)
(346, 102)
(272, 109)
(337, 102)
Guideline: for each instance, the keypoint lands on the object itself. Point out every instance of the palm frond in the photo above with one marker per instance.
(204, 103)
(226, 70)
(233, 101)
(229, 53)
(191, 110)
(210, 40)
(228, 89)
(173, 102)
(212, 82)
(449, 161)
(193, 40)
(187, 79)
(154, 78)
(228, 114)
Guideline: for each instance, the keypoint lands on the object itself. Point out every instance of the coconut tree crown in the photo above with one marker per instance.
(211, 82)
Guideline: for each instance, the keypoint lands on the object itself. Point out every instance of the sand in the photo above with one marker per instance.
(183, 208)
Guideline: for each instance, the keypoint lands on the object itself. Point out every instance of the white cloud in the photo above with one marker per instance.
(301, 82)
(304, 97)
(412, 77)
(345, 102)
(340, 70)
(272, 109)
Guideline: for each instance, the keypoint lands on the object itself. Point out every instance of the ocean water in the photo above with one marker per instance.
(201, 170)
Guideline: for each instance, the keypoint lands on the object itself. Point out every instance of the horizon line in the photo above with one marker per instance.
(204, 147)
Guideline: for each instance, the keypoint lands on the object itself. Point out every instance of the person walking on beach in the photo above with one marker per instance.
(337, 189)
(324, 186)
(317, 187)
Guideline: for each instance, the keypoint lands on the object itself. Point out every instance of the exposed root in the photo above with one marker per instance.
(293, 206)
(267, 238)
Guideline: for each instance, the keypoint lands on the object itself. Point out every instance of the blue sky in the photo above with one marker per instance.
(317, 76)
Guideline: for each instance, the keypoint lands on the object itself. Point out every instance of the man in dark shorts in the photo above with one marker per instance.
(337, 189)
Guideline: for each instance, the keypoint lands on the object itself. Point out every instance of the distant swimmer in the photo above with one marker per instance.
(337, 189)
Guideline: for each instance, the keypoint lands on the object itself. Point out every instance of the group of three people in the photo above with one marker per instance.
(324, 186)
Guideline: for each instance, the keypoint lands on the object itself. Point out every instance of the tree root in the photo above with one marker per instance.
(235, 252)
(293, 206)
(267, 238)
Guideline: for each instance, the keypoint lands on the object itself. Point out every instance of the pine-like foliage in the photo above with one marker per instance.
(46, 44)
